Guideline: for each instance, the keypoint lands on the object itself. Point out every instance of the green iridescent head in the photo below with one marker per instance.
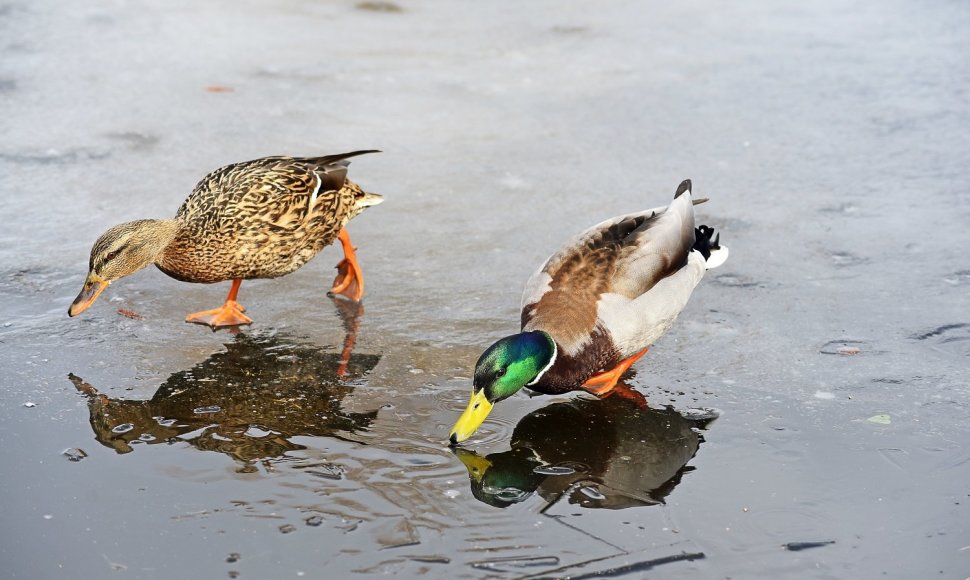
(512, 363)
(503, 369)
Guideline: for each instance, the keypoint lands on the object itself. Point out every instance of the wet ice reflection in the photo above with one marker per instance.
(613, 453)
(248, 401)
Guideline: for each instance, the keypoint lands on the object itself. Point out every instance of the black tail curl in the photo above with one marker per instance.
(703, 242)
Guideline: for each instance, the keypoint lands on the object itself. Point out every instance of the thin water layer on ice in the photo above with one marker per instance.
(805, 417)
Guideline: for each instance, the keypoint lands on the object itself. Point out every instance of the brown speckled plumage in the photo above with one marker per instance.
(257, 219)
(254, 219)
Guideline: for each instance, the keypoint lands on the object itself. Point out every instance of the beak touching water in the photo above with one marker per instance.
(474, 415)
(94, 285)
(474, 463)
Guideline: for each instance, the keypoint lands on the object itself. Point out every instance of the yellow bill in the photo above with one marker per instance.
(474, 415)
(94, 285)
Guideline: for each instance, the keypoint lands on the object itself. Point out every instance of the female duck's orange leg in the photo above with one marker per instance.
(349, 280)
(230, 314)
(604, 382)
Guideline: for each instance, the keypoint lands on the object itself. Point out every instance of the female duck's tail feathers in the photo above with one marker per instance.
(709, 246)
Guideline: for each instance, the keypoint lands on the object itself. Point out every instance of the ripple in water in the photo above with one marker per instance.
(496, 429)
(506, 494)
(451, 402)
(123, 428)
(553, 470)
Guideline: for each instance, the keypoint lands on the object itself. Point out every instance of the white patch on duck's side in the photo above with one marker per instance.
(636, 324)
(316, 192)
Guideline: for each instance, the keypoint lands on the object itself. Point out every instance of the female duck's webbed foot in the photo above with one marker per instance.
(229, 314)
(604, 382)
(350, 279)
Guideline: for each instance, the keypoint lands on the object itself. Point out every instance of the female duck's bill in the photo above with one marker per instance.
(94, 285)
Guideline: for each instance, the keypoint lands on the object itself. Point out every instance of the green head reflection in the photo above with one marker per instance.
(612, 453)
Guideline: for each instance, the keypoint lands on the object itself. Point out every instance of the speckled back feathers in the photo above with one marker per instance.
(263, 218)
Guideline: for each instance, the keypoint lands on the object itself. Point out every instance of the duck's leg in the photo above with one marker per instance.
(604, 382)
(349, 280)
(229, 314)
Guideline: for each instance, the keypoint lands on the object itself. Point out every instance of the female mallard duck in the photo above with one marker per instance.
(257, 219)
(596, 306)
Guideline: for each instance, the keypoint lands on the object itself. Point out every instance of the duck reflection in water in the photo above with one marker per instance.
(612, 453)
(248, 401)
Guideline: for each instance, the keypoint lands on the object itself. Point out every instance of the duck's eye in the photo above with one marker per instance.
(111, 256)
(501, 372)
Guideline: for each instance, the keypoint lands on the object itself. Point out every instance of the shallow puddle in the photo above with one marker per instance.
(805, 416)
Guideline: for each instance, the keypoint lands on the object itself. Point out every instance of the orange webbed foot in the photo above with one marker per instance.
(349, 280)
(602, 383)
(229, 314)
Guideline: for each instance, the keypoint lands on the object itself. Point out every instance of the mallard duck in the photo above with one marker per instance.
(596, 306)
(256, 219)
